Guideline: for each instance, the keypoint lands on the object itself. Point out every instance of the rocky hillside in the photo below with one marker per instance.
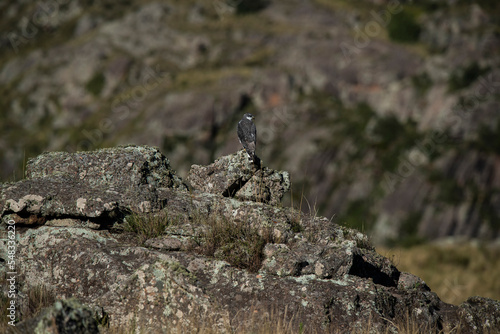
(121, 232)
(385, 113)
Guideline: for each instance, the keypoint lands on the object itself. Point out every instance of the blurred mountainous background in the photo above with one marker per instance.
(385, 113)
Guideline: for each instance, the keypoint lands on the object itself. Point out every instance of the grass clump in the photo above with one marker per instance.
(147, 226)
(236, 242)
(36, 298)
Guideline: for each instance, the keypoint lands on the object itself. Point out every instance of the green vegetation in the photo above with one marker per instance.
(488, 140)
(408, 233)
(249, 6)
(96, 84)
(148, 226)
(392, 138)
(464, 77)
(454, 271)
(358, 133)
(450, 191)
(295, 226)
(403, 27)
(422, 82)
(216, 235)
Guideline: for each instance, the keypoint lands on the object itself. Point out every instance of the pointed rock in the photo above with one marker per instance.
(234, 176)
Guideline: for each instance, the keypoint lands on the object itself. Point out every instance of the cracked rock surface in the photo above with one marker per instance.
(313, 271)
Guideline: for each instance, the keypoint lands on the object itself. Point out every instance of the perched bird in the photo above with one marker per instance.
(247, 134)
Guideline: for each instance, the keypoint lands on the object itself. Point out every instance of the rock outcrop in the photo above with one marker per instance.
(91, 185)
(306, 270)
(362, 122)
(234, 176)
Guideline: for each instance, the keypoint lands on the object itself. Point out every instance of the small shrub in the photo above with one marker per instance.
(250, 6)
(422, 82)
(96, 84)
(487, 139)
(404, 28)
(464, 77)
(295, 226)
(451, 192)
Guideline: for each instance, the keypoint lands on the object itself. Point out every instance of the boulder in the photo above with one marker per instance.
(481, 314)
(119, 167)
(65, 316)
(94, 184)
(234, 176)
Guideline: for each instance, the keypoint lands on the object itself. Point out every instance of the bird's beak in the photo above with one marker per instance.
(253, 118)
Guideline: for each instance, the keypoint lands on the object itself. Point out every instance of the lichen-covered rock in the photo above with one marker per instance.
(90, 184)
(481, 314)
(234, 176)
(114, 66)
(309, 270)
(154, 289)
(65, 316)
(131, 166)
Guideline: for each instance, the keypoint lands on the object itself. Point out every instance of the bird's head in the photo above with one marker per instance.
(249, 116)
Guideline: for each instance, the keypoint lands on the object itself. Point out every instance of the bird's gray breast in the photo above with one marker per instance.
(247, 131)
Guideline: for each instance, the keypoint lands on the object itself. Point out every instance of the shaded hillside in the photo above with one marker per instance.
(386, 116)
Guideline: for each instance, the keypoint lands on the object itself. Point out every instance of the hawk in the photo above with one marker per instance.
(247, 134)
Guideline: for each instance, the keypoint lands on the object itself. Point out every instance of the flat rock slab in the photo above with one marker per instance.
(109, 167)
(90, 184)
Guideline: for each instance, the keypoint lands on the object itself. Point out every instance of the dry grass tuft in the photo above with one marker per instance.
(274, 322)
(236, 242)
(148, 225)
(36, 299)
